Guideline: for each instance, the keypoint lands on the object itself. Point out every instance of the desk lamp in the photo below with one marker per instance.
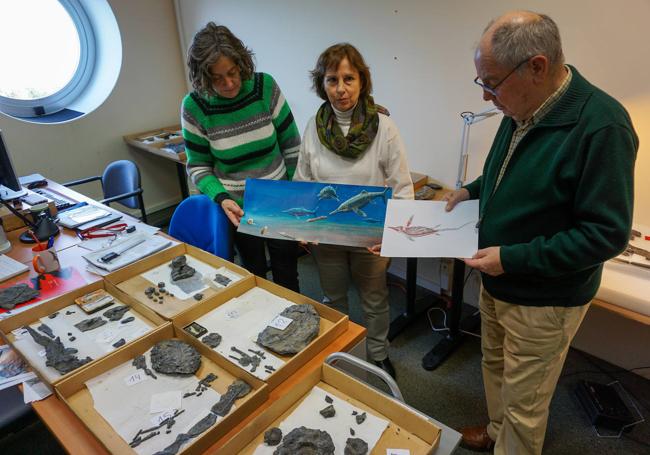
(42, 227)
(469, 118)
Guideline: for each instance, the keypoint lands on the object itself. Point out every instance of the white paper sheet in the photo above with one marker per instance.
(94, 343)
(307, 414)
(424, 229)
(240, 320)
(162, 273)
(35, 390)
(151, 245)
(131, 412)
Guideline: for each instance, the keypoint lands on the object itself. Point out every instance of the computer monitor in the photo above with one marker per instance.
(9, 186)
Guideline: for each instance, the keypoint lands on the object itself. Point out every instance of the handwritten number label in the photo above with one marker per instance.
(280, 322)
(135, 378)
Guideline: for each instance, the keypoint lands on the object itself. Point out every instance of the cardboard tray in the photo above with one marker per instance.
(77, 397)
(407, 429)
(332, 323)
(50, 306)
(128, 279)
(155, 141)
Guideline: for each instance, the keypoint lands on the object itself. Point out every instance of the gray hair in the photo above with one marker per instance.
(210, 43)
(514, 42)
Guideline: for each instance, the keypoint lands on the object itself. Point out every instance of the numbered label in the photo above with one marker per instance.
(280, 322)
(135, 378)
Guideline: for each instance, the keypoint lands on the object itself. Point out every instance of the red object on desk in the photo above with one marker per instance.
(647, 237)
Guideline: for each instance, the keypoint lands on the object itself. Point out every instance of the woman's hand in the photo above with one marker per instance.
(232, 210)
(375, 249)
(454, 198)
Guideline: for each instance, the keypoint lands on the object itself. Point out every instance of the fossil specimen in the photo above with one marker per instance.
(237, 389)
(355, 446)
(46, 330)
(352, 431)
(116, 313)
(90, 324)
(15, 295)
(140, 362)
(143, 435)
(53, 315)
(205, 382)
(198, 296)
(222, 279)
(212, 339)
(328, 412)
(246, 359)
(329, 399)
(180, 269)
(273, 436)
(303, 329)
(360, 418)
(57, 356)
(175, 357)
(119, 343)
(69, 312)
(127, 320)
(306, 440)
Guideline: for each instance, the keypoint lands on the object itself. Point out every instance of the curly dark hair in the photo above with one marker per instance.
(210, 43)
(331, 58)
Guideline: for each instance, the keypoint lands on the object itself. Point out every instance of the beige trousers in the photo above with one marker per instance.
(336, 265)
(524, 349)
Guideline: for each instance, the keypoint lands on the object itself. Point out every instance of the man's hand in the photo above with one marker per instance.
(375, 249)
(487, 260)
(454, 198)
(232, 210)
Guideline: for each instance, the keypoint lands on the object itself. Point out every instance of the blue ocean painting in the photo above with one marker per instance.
(330, 213)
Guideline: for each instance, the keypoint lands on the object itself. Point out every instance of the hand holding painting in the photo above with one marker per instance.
(233, 211)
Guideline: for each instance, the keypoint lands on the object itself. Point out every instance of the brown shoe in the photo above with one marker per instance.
(476, 438)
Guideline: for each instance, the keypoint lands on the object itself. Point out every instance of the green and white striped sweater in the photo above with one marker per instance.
(227, 141)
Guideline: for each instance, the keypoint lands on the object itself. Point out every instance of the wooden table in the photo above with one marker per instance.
(139, 142)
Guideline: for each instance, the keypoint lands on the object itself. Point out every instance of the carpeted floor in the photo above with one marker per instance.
(453, 393)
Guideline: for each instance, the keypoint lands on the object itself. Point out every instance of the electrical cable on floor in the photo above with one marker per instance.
(444, 321)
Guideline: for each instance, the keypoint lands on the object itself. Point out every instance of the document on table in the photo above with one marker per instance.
(137, 247)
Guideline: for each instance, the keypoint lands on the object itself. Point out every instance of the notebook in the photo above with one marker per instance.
(81, 215)
(9, 268)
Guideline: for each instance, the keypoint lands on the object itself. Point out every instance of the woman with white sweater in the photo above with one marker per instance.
(350, 140)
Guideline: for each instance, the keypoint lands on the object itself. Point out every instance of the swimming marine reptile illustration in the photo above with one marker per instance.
(328, 192)
(355, 203)
(412, 232)
(299, 211)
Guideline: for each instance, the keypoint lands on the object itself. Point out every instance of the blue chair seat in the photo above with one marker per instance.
(200, 222)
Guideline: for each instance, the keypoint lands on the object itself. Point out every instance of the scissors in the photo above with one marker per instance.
(104, 231)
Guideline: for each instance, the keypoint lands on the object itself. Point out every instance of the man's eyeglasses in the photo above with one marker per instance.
(492, 90)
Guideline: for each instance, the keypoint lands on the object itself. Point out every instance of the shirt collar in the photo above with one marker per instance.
(548, 104)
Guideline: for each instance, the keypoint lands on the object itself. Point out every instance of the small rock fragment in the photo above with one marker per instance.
(53, 315)
(198, 296)
(355, 446)
(212, 339)
(273, 436)
(329, 399)
(127, 320)
(360, 418)
(328, 412)
(119, 343)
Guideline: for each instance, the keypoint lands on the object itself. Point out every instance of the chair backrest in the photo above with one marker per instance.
(121, 177)
(199, 221)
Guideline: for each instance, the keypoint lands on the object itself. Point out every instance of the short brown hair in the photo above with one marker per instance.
(331, 58)
(210, 43)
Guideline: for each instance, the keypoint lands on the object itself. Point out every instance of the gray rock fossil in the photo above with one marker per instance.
(180, 269)
(273, 436)
(328, 412)
(175, 357)
(360, 418)
(116, 313)
(15, 295)
(355, 446)
(304, 440)
(303, 329)
(119, 343)
(53, 315)
(222, 279)
(237, 389)
(46, 330)
(127, 320)
(90, 324)
(140, 362)
(57, 356)
(212, 339)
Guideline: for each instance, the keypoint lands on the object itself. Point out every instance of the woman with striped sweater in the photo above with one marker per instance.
(237, 125)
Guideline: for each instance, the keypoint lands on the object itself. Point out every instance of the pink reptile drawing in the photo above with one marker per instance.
(412, 232)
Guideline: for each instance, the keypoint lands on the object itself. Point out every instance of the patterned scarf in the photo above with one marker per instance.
(363, 128)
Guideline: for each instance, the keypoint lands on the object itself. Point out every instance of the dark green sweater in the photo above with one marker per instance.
(564, 205)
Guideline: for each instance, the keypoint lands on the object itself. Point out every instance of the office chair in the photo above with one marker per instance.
(199, 221)
(120, 183)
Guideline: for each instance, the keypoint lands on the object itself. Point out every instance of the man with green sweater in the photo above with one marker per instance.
(556, 199)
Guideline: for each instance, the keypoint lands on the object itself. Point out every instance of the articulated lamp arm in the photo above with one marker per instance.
(469, 118)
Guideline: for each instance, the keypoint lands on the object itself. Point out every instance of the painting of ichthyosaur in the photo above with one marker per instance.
(424, 229)
(330, 213)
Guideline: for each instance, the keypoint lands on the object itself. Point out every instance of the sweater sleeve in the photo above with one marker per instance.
(602, 212)
(396, 168)
(474, 188)
(286, 130)
(200, 161)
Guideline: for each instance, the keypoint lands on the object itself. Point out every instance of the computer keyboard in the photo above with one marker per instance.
(59, 202)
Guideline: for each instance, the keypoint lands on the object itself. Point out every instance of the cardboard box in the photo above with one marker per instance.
(75, 394)
(332, 323)
(408, 429)
(129, 279)
(159, 142)
(42, 310)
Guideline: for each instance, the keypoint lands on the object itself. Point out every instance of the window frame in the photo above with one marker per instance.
(61, 99)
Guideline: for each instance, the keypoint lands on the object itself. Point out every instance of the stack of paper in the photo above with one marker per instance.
(126, 251)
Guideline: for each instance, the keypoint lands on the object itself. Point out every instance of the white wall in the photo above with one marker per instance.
(420, 54)
(147, 96)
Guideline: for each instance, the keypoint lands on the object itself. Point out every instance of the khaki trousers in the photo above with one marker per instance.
(336, 265)
(524, 349)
